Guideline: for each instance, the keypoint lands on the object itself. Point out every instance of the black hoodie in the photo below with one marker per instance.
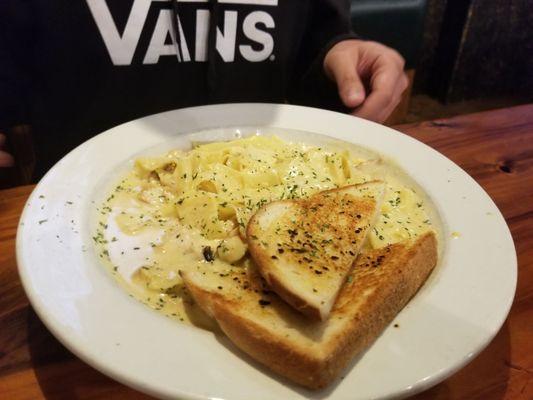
(73, 68)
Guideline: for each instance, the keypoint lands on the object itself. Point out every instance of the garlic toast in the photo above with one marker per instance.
(309, 352)
(305, 248)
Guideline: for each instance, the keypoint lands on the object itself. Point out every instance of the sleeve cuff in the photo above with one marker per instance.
(315, 88)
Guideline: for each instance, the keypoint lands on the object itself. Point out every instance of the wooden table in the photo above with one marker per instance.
(495, 147)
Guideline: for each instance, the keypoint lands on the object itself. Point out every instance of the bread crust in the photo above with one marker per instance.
(391, 284)
(407, 275)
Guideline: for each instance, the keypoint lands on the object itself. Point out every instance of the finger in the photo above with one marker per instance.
(2, 139)
(383, 85)
(6, 160)
(401, 85)
(342, 68)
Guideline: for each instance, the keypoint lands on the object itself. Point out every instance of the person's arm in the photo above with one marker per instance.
(15, 39)
(6, 159)
(347, 73)
(327, 23)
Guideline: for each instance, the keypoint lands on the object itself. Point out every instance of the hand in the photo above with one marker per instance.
(6, 160)
(357, 64)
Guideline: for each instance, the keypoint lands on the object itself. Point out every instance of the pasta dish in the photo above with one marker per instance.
(186, 207)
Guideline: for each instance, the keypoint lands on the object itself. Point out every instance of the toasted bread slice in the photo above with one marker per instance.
(306, 248)
(313, 353)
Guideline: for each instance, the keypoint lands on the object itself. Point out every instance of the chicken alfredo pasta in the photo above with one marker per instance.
(183, 208)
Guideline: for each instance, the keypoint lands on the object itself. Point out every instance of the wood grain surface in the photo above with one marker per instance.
(495, 147)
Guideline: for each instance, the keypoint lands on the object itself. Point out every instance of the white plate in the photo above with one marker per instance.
(452, 318)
